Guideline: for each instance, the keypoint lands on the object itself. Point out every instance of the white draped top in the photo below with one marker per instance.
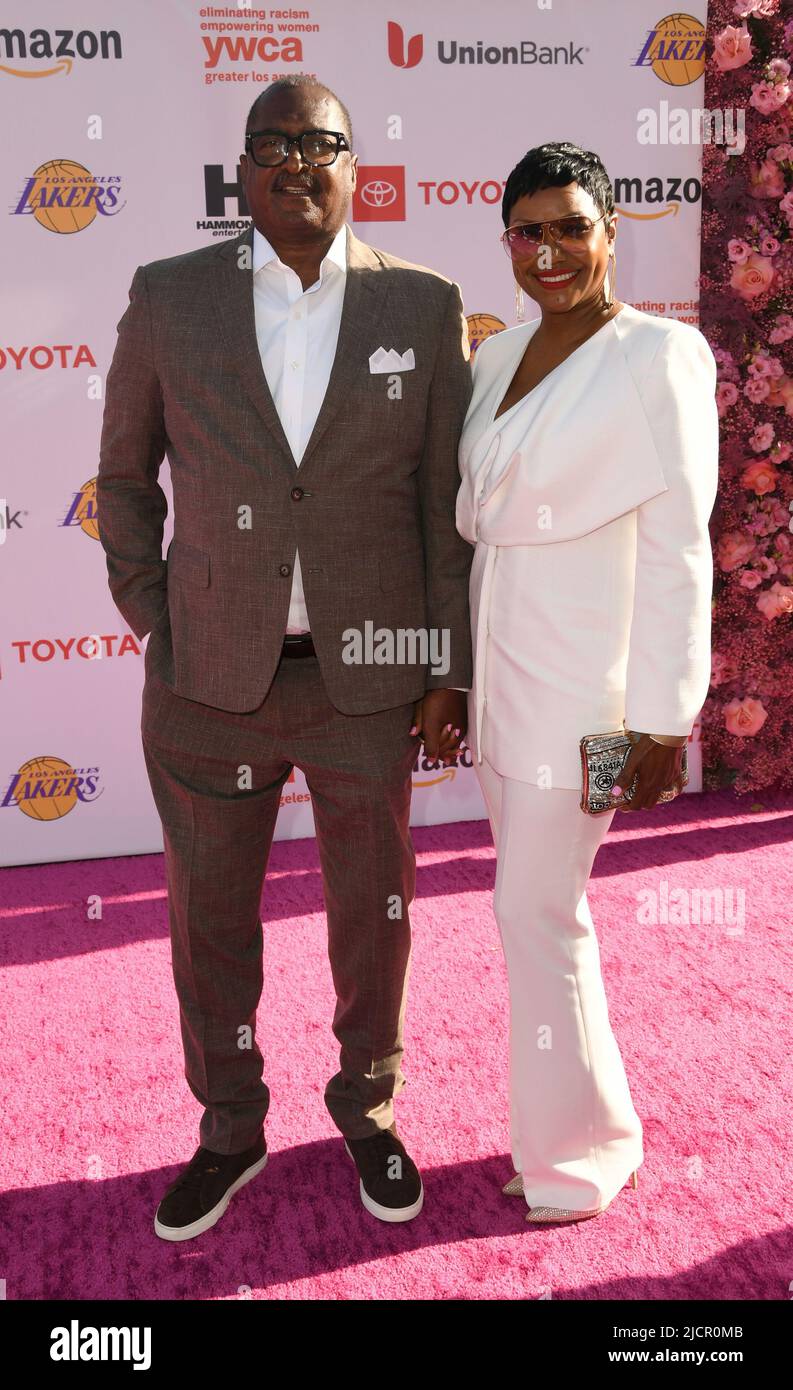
(588, 503)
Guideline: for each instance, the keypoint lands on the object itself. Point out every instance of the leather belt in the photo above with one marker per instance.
(298, 644)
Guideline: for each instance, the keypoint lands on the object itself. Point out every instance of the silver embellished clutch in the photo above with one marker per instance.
(603, 756)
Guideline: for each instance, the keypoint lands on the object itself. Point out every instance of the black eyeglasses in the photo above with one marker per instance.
(269, 148)
(525, 238)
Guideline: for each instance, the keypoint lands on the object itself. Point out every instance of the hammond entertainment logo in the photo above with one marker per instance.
(675, 50)
(408, 53)
(52, 52)
(65, 197)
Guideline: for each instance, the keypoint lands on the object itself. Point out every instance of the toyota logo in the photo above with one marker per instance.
(378, 194)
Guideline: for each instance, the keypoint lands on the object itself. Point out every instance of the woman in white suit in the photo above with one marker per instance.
(589, 464)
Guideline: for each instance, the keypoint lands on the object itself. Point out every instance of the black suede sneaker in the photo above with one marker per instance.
(204, 1188)
(391, 1186)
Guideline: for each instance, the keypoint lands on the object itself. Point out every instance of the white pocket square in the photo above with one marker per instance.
(392, 361)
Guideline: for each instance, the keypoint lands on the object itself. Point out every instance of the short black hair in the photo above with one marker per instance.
(299, 81)
(554, 165)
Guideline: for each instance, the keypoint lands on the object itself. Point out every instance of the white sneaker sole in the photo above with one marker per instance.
(197, 1228)
(389, 1213)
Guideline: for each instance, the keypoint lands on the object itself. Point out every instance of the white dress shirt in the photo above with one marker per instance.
(297, 331)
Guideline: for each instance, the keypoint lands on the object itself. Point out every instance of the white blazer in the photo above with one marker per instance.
(588, 503)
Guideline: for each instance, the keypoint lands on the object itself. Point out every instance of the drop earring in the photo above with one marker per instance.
(519, 302)
(613, 259)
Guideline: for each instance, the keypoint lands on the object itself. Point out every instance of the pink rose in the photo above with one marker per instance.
(738, 250)
(750, 579)
(761, 365)
(775, 601)
(782, 330)
(781, 452)
(769, 246)
(734, 549)
(783, 154)
(732, 48)
(752, 278)
(779, 67)
(766, 567)
(726, 395)
(764, 8)
(744, 718)
(760, 477)
(757, 388)
(781, 393)
(722, 669)
(767, 98)
(766, 180)
(761, 438)
(786, 203)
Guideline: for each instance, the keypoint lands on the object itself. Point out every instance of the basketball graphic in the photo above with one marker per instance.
(65, 175)
(83, 509)
(677, 49)
(45, 772)
(481, 326)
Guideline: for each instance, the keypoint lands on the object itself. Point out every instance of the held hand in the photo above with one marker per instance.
(658, 769)
(440, 718)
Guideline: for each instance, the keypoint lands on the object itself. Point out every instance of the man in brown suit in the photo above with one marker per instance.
(309, 392)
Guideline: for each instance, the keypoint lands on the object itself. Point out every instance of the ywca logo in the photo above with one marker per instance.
(396, 47)
(379, 193)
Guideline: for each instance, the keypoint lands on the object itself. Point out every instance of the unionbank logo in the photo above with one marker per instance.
(675, 50)
(51, 53)
(525, 52)
(401, 56)
(480, 327)
(48, 788)
(65, 197)
(379, 193)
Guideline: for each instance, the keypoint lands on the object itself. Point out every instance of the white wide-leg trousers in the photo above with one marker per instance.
(575, 1135)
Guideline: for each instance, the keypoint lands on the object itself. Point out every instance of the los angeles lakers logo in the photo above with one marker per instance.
(48, 788)
(82, 510)
(675, 50)
(65, 197)
(481, 326)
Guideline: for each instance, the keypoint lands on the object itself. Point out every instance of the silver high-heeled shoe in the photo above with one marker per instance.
(537, 1215)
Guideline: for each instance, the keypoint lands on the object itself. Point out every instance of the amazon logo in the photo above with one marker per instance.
(645, 199)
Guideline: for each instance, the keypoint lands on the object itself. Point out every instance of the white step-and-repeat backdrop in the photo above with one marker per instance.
(124, 123)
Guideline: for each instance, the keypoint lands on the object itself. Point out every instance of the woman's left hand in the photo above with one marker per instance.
(657, 767)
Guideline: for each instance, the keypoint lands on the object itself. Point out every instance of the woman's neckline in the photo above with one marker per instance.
(496, 419)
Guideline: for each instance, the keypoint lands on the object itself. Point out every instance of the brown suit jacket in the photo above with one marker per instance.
(371, 506)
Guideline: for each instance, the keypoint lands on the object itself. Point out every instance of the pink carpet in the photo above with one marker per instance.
(98, 1117)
